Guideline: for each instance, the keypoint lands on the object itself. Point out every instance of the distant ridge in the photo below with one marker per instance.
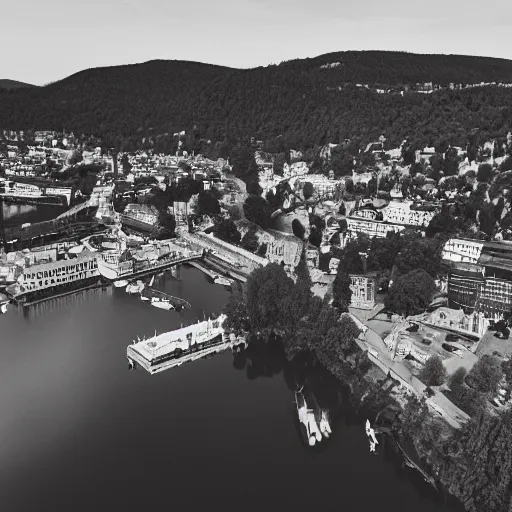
(13, 84)
(298, 104)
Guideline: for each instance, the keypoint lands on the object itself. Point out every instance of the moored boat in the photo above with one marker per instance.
(161, 303)
(222, 280)
(308, 420)
(121, 283)
(137, 287)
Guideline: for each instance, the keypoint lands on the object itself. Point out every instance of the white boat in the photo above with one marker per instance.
(222, 280)
(136, 287)
(324, 425)
(370, 432)
(3, 307)
(121, 283)
(307, 418)
(161, 303)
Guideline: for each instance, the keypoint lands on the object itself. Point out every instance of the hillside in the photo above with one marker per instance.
(13, 84)
(297, 104)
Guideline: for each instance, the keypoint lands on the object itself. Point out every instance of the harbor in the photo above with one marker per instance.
(243, 401)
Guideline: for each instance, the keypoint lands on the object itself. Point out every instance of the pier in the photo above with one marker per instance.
(186, 344)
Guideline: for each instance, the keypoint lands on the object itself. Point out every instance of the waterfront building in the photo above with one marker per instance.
(41, 276)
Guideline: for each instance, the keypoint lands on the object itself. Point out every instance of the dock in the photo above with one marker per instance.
(170, 349)
(203, 269)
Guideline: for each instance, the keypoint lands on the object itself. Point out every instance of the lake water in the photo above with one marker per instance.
(80, 432)
(17, 214)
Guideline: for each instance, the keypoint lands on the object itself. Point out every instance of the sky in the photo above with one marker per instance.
(49, 40)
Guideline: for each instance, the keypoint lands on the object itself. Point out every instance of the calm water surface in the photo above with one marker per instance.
(17, 214)
(79, 432)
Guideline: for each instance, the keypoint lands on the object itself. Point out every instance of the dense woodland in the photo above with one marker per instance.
(296, 104)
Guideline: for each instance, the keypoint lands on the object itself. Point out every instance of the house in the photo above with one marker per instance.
(364, 289)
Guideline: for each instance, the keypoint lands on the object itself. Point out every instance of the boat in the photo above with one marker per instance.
(121, 283)
(161, 303)
(3, 307)
(222, 280)
(181, 345)
(308, 420)
(136, 287)
(370, 432)
(324, 424)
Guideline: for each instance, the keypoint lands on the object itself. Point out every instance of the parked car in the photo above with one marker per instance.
(413, 328)
(451, 337)
(449, 348)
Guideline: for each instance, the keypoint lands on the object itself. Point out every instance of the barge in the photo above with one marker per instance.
(174, 348)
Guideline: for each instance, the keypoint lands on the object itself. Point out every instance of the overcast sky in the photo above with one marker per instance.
(48, 40)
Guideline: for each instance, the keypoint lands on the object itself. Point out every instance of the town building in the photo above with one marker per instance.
(372, 228)
(480, 277)
(364, 289)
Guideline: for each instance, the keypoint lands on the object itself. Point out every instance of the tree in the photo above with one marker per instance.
(207, 204)
(262, 250)
(257, 210)
(167, 222)
(298, 229)
(411, 293)
(226, 230)
(433, 373)
(236, 311)
(420, 253)
(250, 241)
(307, 190)
(253, 187)
(485, 374)
(315, 237)
(457, 379)
(341, 291)
(485, 173)
(268, 289)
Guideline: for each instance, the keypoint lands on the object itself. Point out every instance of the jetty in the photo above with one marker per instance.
(170, 349)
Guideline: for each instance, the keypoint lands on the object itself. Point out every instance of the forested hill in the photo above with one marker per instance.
(399, 68)
(297, 104)
(13, 84)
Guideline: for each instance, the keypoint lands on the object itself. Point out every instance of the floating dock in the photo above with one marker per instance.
(186, 344)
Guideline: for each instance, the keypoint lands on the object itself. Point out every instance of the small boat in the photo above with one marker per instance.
(3, 307)
(324, 425)
(370, 432)
(136, 287)
(121, 283)
(161, 303)
(307, 418)
(222, 280)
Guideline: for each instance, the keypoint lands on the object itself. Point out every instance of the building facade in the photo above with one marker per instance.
(364, 288)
